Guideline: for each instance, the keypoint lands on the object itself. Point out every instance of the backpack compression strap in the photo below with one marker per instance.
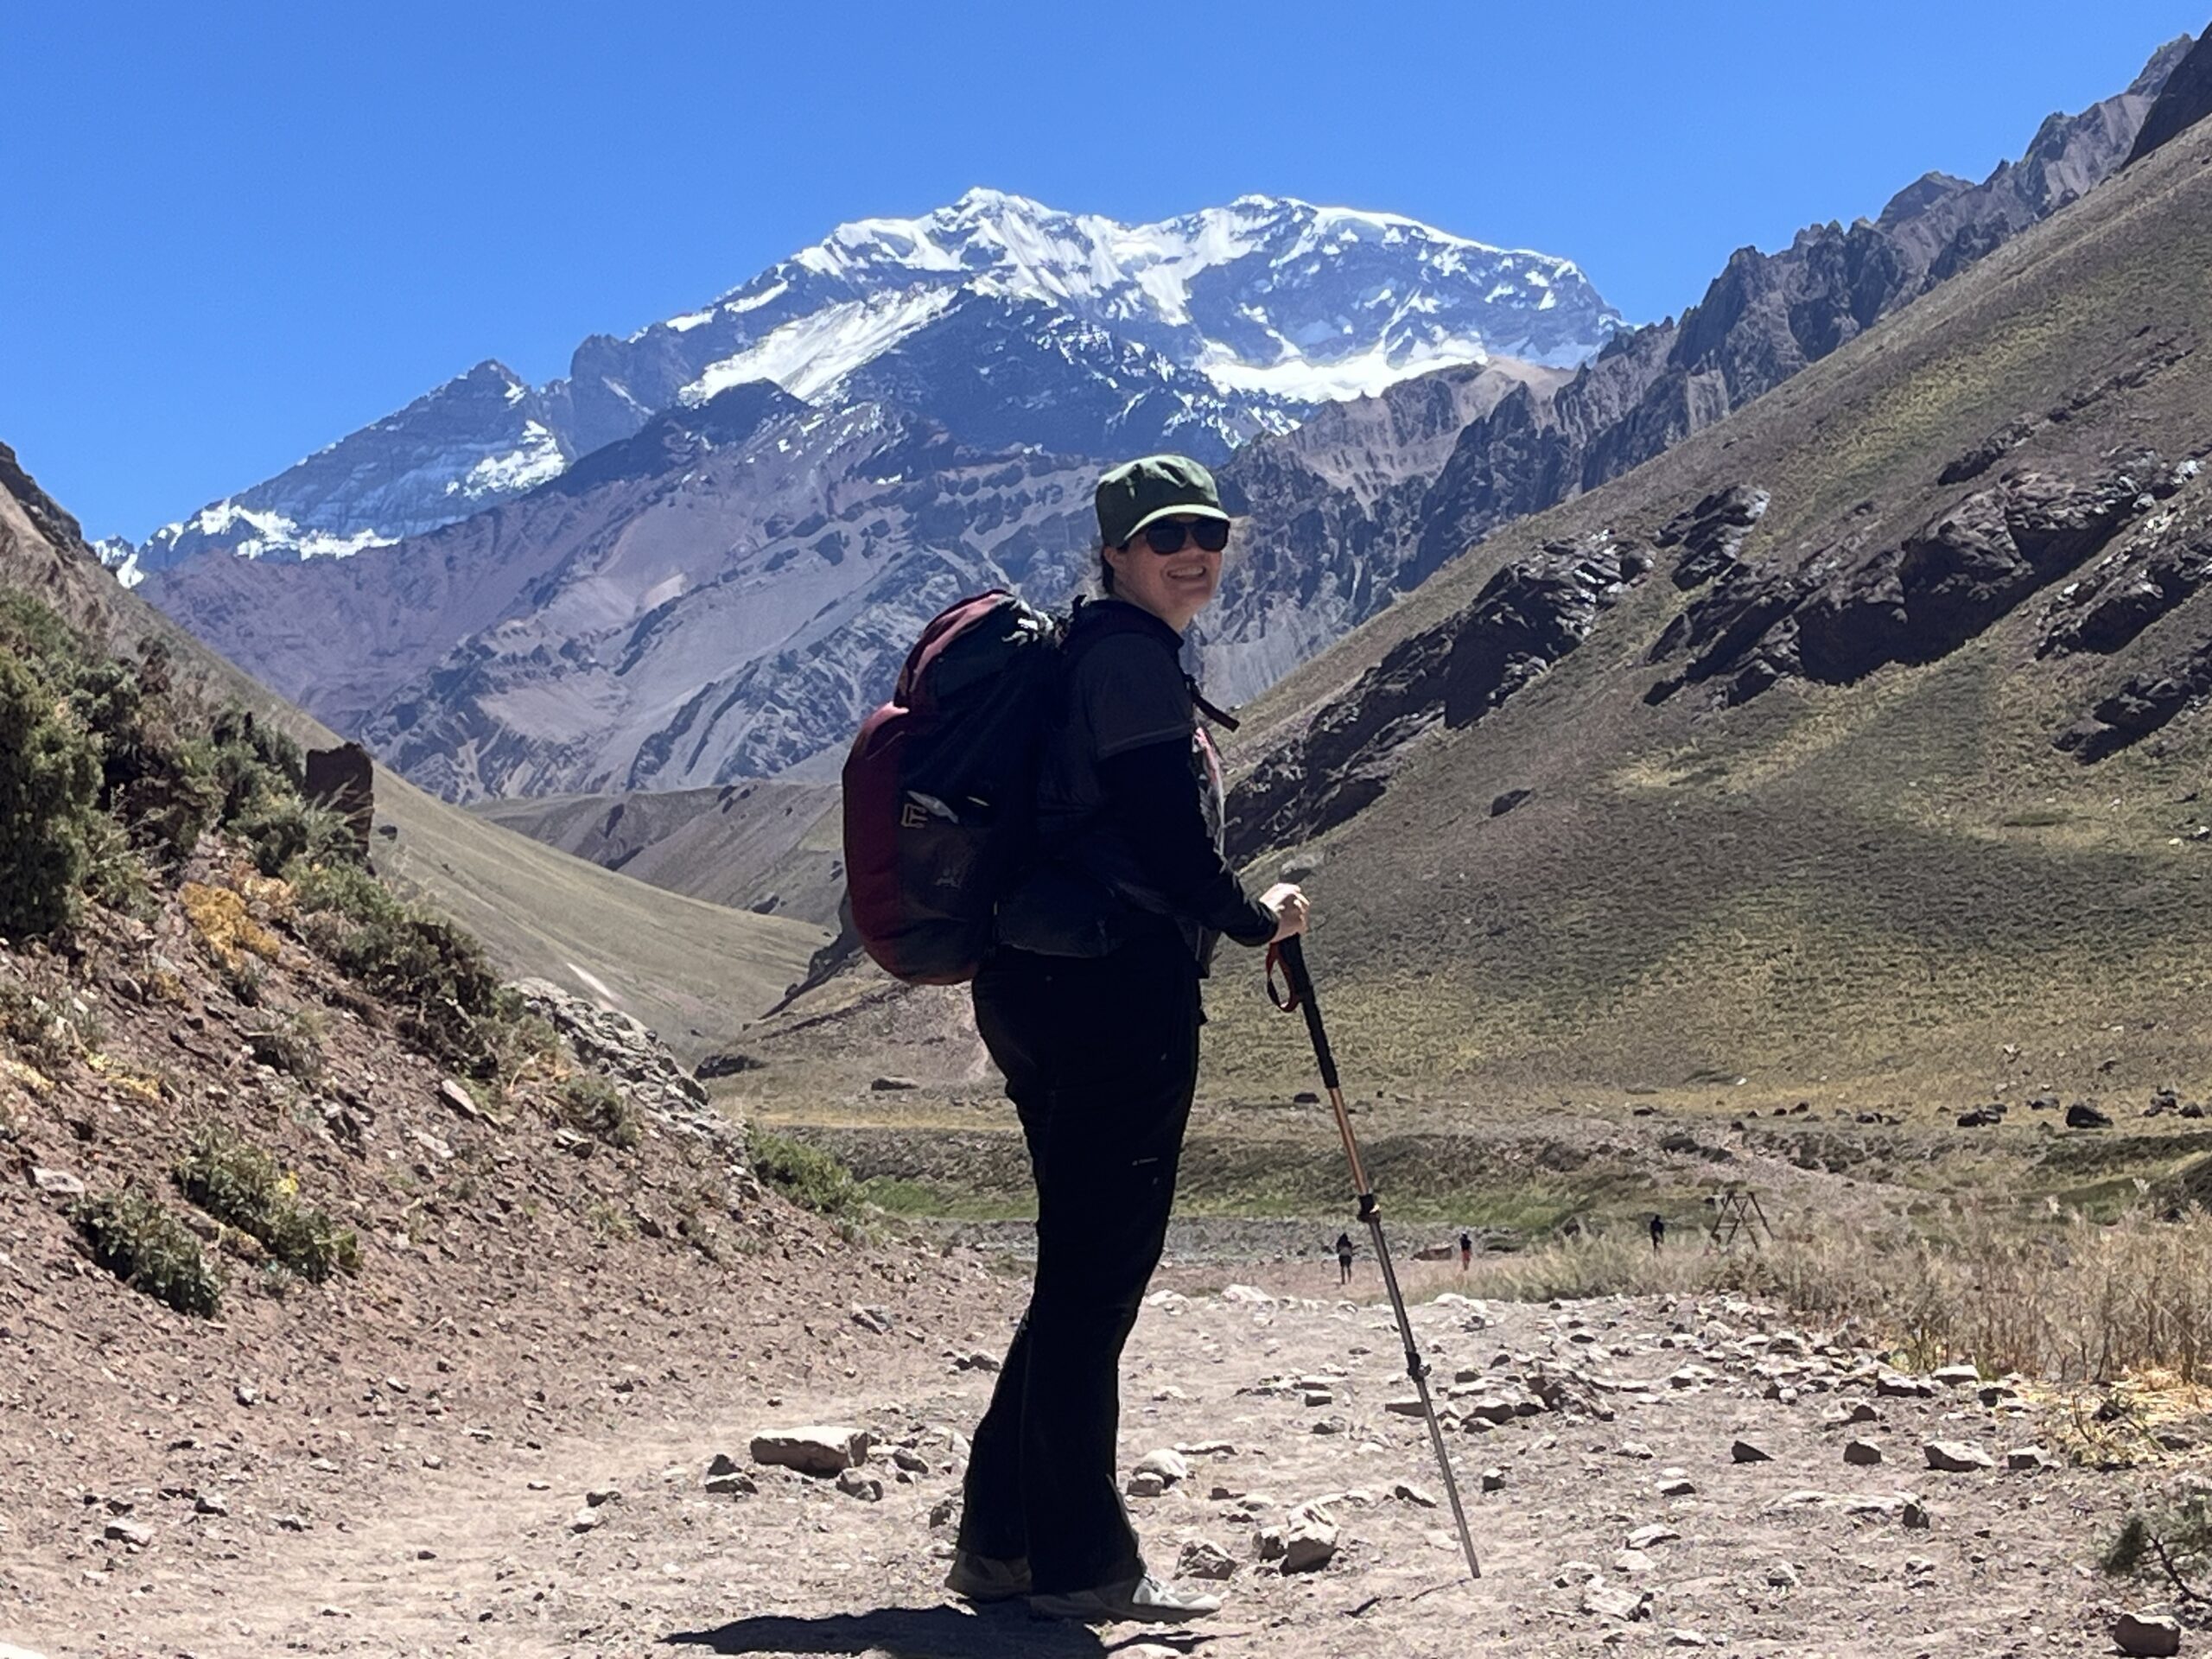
(1227, 722)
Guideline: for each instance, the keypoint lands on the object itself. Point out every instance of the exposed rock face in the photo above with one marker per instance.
(2108, 608)
(1526, 618)
(344, 779)
(478, 440)
(2147, 574)
(1762, 319)
(1331, 512)
(2185, 100)
(640, 1063)
(1711, 534)
(1846, 611)
(2141, 705)
(723, 596)
(999, 318)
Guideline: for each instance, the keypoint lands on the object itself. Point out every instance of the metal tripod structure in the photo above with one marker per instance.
(1736, 1210)
(1291, 955)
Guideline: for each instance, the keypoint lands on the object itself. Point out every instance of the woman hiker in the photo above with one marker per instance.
(1089, 1004)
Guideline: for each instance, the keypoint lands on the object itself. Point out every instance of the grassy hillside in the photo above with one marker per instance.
(1894, 891)
(1877, 891)
(774, 847)
(694, 972)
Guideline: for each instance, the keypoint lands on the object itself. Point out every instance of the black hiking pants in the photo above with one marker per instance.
(1100, 1055)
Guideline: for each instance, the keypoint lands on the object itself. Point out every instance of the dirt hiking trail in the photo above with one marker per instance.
(1650, 1474)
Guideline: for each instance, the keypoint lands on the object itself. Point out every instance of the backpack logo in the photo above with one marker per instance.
(913, 815)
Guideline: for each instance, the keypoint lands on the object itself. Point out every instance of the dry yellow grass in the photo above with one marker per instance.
(220, 916)
(2077, 1302)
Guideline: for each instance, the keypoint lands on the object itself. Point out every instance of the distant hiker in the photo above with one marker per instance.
(1658, 1232)
(1089, 1004)
(1466, 1250)
(1344, 1258)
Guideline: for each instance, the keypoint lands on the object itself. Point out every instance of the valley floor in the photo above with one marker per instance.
(1799, 1554)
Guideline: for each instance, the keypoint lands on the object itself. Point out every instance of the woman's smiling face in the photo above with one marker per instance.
(1174, 587)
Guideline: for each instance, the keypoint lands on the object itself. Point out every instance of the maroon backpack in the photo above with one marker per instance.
(939, 786)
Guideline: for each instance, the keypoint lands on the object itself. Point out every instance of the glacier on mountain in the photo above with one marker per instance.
(1004, 320)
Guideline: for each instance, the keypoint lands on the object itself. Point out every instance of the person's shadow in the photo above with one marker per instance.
(938, 1632)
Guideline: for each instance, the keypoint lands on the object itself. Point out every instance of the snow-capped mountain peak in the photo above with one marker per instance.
(1006, 320)
(483, 436)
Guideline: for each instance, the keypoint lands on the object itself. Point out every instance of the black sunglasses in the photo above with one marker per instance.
(1165, 536)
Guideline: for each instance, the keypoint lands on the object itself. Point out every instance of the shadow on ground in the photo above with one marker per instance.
(919, 1633)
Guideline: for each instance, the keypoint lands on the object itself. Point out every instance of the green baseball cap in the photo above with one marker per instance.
(1137, 492)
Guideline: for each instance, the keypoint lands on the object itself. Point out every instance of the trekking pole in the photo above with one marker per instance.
(1291, 955)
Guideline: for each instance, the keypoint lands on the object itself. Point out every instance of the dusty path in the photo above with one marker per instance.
(1802, 1554)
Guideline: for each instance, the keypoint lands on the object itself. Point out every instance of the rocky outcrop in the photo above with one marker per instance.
(47, 516)
(2142, 705)
(2147, 574)
(640, 1066)
(2186, 99)
(1528, 616)
(1711, 534)
(1331, 512)
(1848, 610)
(344, 779)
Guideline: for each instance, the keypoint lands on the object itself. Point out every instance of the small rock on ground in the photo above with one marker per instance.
(1309, 1542)
(1957, 1456)
(1203, 1559)
(815, 1450)
(2147, 1634)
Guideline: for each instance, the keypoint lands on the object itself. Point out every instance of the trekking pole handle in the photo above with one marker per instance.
(1291, 953)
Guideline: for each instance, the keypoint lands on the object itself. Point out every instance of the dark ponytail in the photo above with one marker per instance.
(1105, 575)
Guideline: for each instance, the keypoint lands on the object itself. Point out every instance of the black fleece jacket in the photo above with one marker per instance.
(1148, 792)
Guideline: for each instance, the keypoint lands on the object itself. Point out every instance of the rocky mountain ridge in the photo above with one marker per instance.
(997, 317)
(702, 602)
(1762, 320)
(543, 687)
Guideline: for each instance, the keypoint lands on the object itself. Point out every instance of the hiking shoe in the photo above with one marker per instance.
(987, 1578)
(1145, 1597)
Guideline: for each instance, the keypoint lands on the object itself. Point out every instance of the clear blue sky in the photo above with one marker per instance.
(235, 233)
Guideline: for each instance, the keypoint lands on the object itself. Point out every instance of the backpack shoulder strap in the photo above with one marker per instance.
(1107, 621)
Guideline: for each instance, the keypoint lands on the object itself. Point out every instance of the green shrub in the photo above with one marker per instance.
(348, 891)
(244, 977)
(36, 633)
(282, 829)
(116, 873)
(30, 1026)
(610, 1221)
(150, 1250)
(292, 1045)
(241, 1186)
(450, 1001)
(806, 1175)
(253, 761)
(589, 1104)
(2172, 1541)
(157, 773)
(49, 781)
